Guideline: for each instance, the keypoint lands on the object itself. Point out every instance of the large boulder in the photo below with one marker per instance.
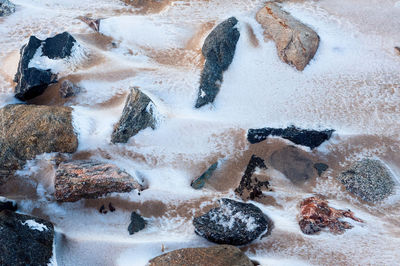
(294, 163)
(233, 223)
(304, 137)
(218, 50)
(223, 255)
(138, 114)
(6, 8)
(32, 81)
(25, 240)
(368, 179)
(296, 43)
(91, 179)
(251, 186)
(30, 130)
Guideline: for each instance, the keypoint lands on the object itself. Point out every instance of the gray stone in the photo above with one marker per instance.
(138, 114)
(218, 50)
(6, 8)
(137, 223)
(296, 43)
(368, 179)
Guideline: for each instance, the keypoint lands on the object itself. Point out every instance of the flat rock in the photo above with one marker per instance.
(305, 137)
(6, 8)
(25, 240)
(32, 81)
(368, 179)
(296, 43)
(199, 182)
(30, 130)
(218, 50)
(138, 114)
(91, 179)
(233, 223)
(294, 164)
(137, 223)
(250, 186)
(221, 255)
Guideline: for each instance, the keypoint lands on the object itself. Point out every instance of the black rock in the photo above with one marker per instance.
(6, 204)
(32, 82)
(233, 223)
(218, 50)
(321, 167)
(304, 137)
(25, 240)
(249, 187)
(138, 114)
(137, 223)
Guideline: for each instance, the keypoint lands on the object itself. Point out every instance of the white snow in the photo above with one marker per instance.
(35, 225)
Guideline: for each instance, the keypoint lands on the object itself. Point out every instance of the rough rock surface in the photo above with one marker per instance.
(6, 204)
(68, 89)
(293, 163)
(304, 137)
(296, 43)
(233, 223)
(6, 8)
(31, 81)
(221, 255)
(138, 114)
(199, 182)
(218, 50)
(30, 130)
(315, 214)
(250, 186)
(90, 179)
(137, 223)
(25, 240)
(368, 179)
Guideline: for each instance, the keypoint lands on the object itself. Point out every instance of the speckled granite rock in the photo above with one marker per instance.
(91, 179)
(222, 255)
(368, 179)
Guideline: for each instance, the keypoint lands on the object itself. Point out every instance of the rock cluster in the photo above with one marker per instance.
(91, 179)
(218, 50)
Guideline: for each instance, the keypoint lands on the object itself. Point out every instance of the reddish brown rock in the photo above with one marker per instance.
(316, 215)
(223, 255)
(91, 179)
(296, 42)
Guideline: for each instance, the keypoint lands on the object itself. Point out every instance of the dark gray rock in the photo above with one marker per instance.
(233, 223)
(199, 182)
(321, 167)
(218, 50)
(138, 114)
(137, 223)
(6, 8)
(68, 89)
(293, 163)
(250, 187)
(6, 204)
(32, 82)
(368, 179)
(304, 137)
(25, 240)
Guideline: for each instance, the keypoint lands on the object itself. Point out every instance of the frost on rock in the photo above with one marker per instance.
(233, 223)
(35, 225)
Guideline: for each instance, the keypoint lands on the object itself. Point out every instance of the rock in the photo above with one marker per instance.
(250, 187)
(6, 8)
(218, 50)
(30, 130)
(90, 179)
(94, 24)
(199, 182)
(6, 204)
(315, 214)
(137, 223)
(296, 43)
(233, 223)
(368, 179)
(293, 163)
(68, 89)
(304, 137)
(216, 255)
(321, 167)
(138, 114)
(397, 49)
(25, 240)
(31, 81)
